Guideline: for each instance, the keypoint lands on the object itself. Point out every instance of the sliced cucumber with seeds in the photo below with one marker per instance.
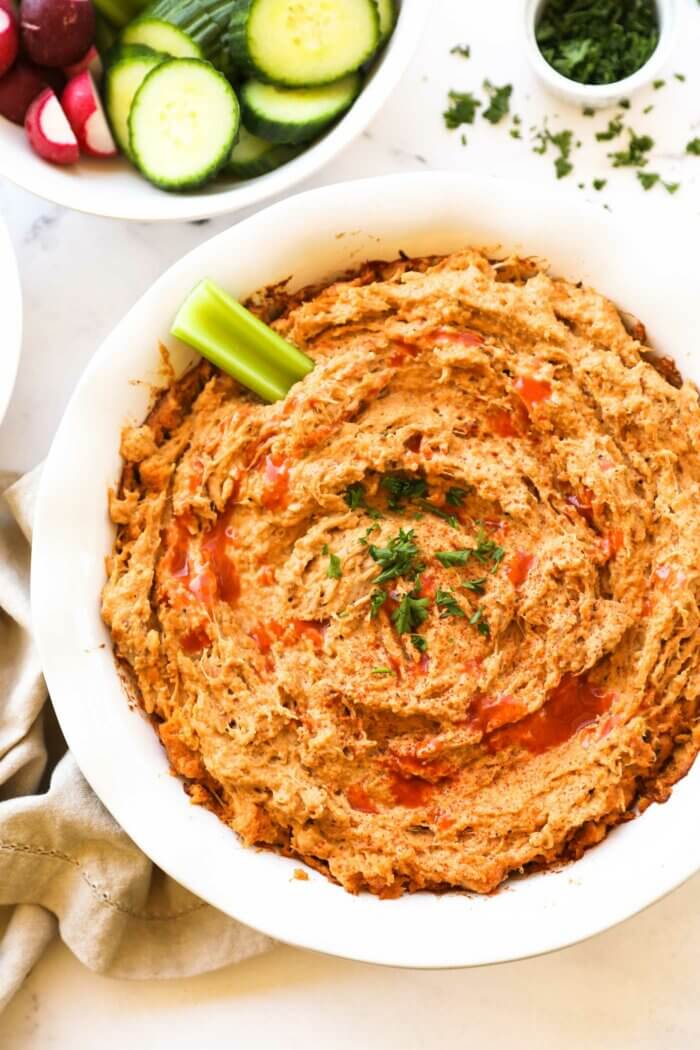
(388, 14)
(128, 67)
(161, 36)
(304, 43)
(206, 22)
(183, 122)
(294, 115)
(252, 156)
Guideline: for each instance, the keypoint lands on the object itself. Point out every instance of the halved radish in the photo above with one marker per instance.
(82, 106)
(49, 133)
(91, 61)
(9, 39)
(18, 89)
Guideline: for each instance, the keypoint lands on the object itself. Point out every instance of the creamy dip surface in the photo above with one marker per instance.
(433, 618)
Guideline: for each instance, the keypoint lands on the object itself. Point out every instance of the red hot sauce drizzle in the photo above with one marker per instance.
(276, 482)
(571, 706)
(532, 391)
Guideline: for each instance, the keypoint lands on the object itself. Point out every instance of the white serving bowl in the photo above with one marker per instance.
(646, 270)
(11, 306)
(115, 190)
(598, 96)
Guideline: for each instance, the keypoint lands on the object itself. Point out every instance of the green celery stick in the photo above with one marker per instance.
(240, 344)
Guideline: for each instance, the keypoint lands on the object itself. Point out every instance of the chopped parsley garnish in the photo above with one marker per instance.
(693, 147)
(597, 41)
(599, 184)
(410, 613)
(499, 101)
(588, 111)
(680, 76)
(477, 586)
(613, 129)
(462, 109)
(368, 532)
(438, 512)
(334, 571)
(382, 670)
(515, 133)
(452, 558)
(448, 604)
(456, 496)
(356, 500)
(398, 558)
(477, 620)
(635, 155)
(487, 550)
(464, 50)
(419, 642)
(624, 103)
(672, 187)
(403, 490)
(647, 109)
(375, 603)
(658, 84)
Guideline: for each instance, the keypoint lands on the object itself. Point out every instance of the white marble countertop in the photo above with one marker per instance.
(634, 986)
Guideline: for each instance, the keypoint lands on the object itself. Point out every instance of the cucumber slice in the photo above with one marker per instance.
(161, 36)
(305, 43)
(128, 67)
(252, 156)
(388, 14)
(294, 115)
(205, 22)
(183, 122)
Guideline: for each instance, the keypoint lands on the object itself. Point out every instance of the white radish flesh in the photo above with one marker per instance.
(9, 39)
(82, 105)
(49, 133)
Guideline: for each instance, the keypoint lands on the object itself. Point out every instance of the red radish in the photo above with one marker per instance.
(10, 6)
(18, 89)
(9, 39)
(91, 61)
(82, 106)
(49, 132)
(57, 32)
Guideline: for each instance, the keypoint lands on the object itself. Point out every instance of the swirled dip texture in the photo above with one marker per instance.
(433, 618)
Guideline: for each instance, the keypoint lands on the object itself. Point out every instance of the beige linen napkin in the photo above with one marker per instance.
(65, 865)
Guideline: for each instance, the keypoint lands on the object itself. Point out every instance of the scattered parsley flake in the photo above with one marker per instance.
(693, 147)
(680, 76)
(448, 604)
(672, 187)
(368, 533)
(382, 670)
(624, 103)
(463, 50)
(515, 133)
(462, 109)
(635, 155)
(648, 179)
(613, 129)
(334, 570)
(355, 498)
(499, 101)
(658, 84)
(588, 111)
(463, 139)
(438, 512)
(647, 109)
(419, 642)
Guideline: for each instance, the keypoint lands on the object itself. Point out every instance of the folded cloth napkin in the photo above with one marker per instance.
(65, 865)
